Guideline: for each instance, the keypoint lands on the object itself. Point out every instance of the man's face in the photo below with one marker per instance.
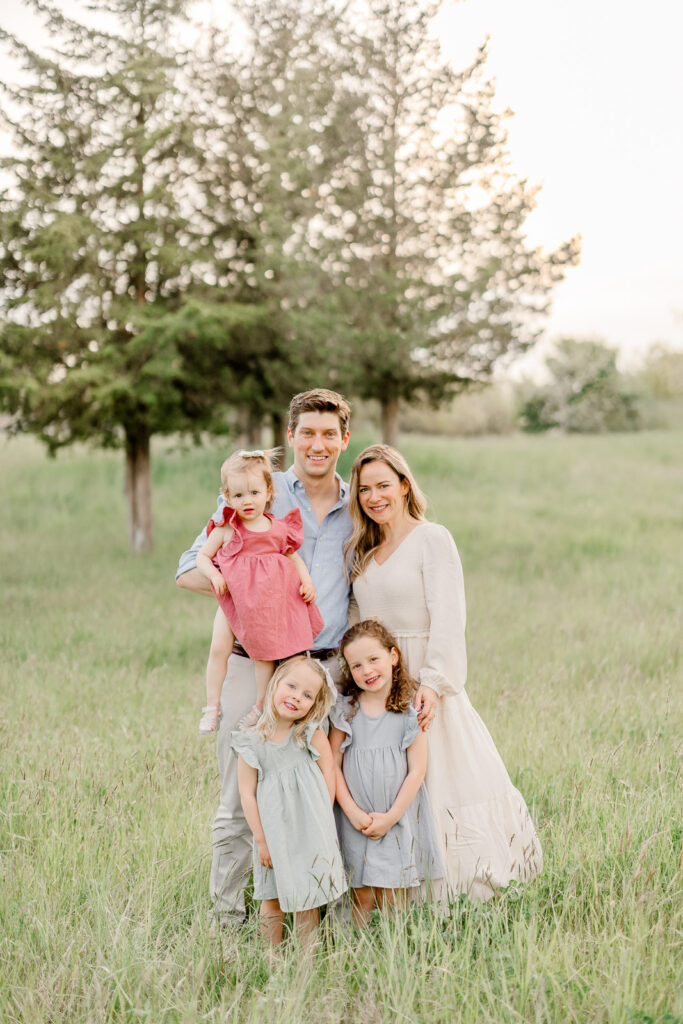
(317, 444)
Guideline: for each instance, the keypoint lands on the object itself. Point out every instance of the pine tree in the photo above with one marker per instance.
(280, 136)
(440, 281)
(101, 245)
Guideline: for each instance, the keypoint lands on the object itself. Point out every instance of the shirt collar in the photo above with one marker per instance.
(296, 482)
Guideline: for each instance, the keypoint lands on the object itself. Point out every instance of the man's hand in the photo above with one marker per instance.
(379, 825)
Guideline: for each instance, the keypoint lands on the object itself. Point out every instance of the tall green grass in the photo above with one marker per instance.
(571, 549)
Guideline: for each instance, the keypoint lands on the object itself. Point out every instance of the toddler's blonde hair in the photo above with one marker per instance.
(243, 461)
(267, 723)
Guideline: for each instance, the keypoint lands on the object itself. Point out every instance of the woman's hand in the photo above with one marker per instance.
(379, 825)
(425, 704)
(264, 854)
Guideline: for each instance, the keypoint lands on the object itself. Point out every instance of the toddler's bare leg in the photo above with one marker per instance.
(271, 920)
(363, 905)
(263, 670)
(306, 925)
(222, 640)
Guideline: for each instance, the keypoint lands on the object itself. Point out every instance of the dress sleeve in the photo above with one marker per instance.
(294, 528)
(339, 721)
(410, 728)
(243, 742)
(445, 666)
(309, 732)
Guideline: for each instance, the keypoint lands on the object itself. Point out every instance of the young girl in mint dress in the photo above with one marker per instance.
(286, 780)
(386, 829)
(261, 583)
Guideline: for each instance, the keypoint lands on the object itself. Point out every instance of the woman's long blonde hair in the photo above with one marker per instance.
(366, 535)
(324, 700)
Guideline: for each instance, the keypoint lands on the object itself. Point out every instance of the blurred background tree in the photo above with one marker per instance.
(279, 134)
(195, 232)
(439, 281)
(99, 250)
(585, 392)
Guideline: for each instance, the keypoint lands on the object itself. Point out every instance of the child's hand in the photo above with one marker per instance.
(264, 854)
(307, 590)
(219, 584)
(359, 819)
(378, 827)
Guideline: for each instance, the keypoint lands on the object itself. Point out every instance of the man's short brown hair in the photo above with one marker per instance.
(319, 400)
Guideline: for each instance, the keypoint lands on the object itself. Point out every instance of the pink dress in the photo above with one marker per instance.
(263, 606)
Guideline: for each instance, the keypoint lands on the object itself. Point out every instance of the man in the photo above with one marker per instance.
(318, 432)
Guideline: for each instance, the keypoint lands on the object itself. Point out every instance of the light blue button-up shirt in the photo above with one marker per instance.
(322, 550)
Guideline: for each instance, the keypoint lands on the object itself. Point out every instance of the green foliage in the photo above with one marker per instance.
(97, 243)
(585, 393)
(108, 794)
(438, 281)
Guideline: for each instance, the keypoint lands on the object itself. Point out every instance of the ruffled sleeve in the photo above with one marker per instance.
(309, 732)
(410, 728)
(294, 530)
(245, 742)
(445, 665)
(339, 720)
(221, 517)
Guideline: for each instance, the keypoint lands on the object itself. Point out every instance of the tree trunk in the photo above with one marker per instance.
(390, 421)
(279, 437)
(139, 491)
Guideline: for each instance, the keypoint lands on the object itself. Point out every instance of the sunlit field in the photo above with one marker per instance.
(572, 557)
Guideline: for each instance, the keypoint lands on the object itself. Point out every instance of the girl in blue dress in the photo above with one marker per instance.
(386, 828)
(286, 779)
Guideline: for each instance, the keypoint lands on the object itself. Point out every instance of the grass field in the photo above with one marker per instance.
(571, 549)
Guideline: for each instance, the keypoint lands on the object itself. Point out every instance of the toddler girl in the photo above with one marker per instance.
(262, 584)
(386, 830)
(286, 780)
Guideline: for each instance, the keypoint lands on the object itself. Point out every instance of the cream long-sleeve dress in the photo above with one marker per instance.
(486, 834)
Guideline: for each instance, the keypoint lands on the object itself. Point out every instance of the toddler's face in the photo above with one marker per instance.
(295, 693)
(248, 494)
(371, 664)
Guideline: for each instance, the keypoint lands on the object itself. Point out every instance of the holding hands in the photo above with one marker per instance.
(378, 825)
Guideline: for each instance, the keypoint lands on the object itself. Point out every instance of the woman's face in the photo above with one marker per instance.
(382, 494)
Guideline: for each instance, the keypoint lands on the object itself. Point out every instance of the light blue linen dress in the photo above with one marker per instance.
(296, 814)
(375, 765)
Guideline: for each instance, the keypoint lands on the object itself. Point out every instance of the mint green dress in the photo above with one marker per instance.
(296, 814)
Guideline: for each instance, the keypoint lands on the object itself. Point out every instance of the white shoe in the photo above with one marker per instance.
(251, 718)
(209, 722)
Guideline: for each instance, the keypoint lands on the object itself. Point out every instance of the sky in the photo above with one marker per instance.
(595, 87)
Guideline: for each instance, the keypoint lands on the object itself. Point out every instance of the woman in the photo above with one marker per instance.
(406, 572)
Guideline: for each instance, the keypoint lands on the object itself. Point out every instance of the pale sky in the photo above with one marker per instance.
(596, 89)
